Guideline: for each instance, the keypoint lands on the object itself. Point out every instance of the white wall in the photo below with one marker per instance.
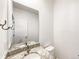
(45, 8)
(3, 33)
(26, 24)
(66, 28)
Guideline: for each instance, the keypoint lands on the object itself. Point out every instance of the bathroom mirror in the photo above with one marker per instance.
(26, 23)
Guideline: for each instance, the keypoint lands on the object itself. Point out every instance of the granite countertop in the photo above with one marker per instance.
(17, 48)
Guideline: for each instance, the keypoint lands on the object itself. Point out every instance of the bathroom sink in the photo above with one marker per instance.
(35, 53)
(32, 56)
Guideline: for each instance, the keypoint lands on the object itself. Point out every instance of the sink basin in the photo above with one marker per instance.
(33, 56)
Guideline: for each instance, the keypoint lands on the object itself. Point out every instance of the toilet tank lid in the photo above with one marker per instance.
(49, 48)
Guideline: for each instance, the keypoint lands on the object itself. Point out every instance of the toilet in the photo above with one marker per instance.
(51, 49)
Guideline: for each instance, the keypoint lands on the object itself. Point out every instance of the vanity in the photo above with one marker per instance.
(18, 48)
(36, 51)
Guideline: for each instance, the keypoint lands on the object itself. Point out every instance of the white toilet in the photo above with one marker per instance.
(51, 49)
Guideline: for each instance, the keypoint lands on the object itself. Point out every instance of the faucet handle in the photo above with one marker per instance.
(26, 43)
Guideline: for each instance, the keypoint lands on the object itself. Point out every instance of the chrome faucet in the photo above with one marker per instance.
(28, 48)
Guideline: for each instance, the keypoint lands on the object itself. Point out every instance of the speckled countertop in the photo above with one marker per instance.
(18, 48)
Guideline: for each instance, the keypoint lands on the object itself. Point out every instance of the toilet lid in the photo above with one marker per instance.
(32, 56)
